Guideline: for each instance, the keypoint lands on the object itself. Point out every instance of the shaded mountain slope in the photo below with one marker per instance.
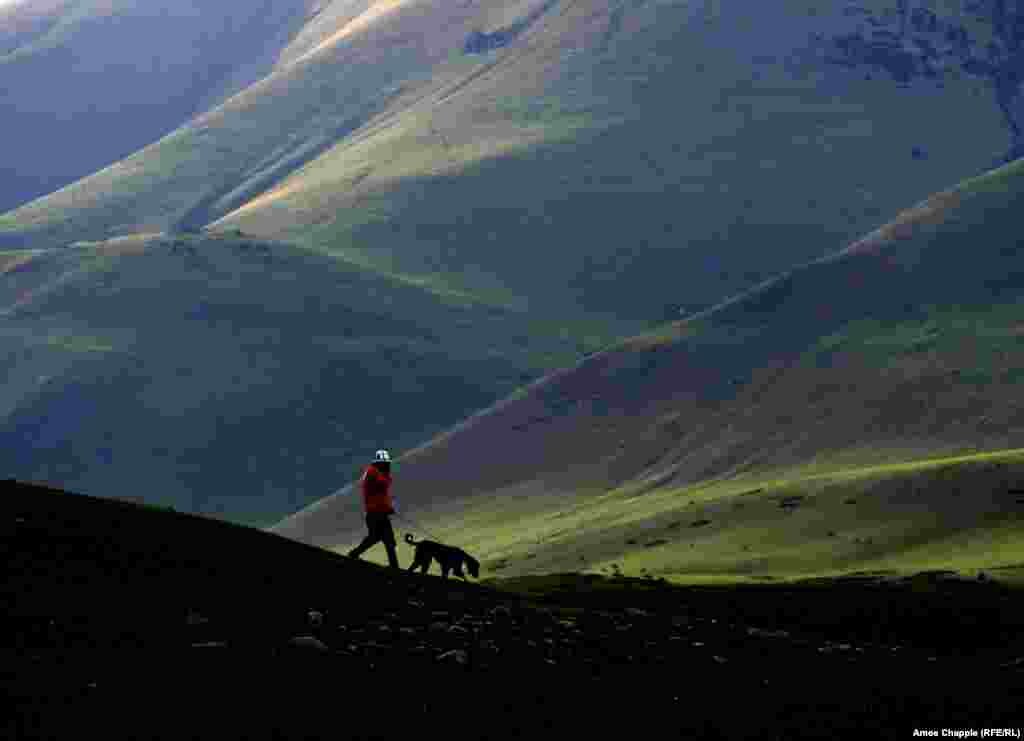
(85, 84)
(617, 158)
(905, 343)
(239, 377)
(115, 610)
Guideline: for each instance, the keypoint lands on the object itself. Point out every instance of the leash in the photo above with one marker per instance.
(417, 525)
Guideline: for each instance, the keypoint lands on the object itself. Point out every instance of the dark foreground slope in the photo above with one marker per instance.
(135, 623)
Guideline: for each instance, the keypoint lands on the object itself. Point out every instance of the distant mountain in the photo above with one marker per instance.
(84, 83)
(619, 158)
(907, 343)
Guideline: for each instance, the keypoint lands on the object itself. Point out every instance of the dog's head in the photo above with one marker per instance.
(473, 566)
(409, 539)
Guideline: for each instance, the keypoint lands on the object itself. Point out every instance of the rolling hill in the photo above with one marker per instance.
(834, 418)
(621, 159)
(239, 378)
(85, 83)
(565, 174)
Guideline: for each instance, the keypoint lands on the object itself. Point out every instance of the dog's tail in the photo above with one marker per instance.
(409, 539)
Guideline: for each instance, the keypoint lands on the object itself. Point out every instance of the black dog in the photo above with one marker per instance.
(449, 557)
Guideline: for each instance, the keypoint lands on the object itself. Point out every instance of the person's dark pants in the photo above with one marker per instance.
(379, 530)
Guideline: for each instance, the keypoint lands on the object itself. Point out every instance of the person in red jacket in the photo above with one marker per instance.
(376, 484)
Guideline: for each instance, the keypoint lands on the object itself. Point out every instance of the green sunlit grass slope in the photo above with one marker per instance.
(239, 378)
(904, 346)
(84, 84)
(616, 158)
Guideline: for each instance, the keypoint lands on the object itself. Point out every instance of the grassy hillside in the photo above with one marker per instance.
(614, 158)
(84, 84)
(903, 346)
(236, 377)
(563, 173)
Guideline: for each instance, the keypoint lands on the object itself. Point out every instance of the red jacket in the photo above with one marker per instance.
(377, 491)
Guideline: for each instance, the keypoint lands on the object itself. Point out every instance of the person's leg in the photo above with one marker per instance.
(387, 535)
(371, 539)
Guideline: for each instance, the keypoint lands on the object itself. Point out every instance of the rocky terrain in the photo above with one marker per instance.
(130, 622)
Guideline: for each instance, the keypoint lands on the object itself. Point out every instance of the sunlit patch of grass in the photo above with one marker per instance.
(127, 244)
(849, 519)
(79, 344)
(985, 330)
(439, 285)
(10, 260)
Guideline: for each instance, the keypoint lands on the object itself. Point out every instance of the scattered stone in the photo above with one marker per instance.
(194, 618)
(720, 659)
(308, 642)
(458, 629)
(438, 626)
(699, 523)
(767, 633)
(456, 656)
(316, 618)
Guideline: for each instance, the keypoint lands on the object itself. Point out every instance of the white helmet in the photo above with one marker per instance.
(382, 456)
